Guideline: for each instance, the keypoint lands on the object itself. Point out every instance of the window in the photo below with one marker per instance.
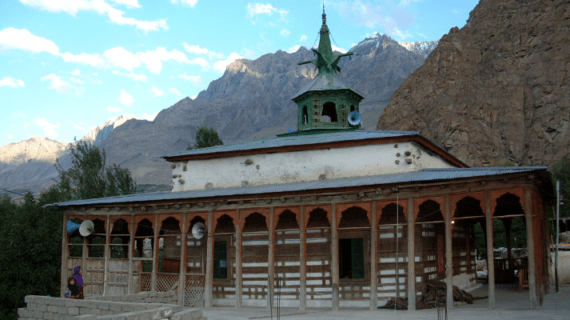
(220, 260)
(305, 116)
(329, 110)
(351, 256)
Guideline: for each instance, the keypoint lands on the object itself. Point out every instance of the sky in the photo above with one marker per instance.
(67, 66)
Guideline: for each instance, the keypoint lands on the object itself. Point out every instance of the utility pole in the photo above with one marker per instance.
(557, 232)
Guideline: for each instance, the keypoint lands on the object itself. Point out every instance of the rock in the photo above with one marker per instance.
(496, 92)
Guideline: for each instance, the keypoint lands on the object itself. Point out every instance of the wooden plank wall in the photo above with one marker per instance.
(255, 249)
(93, 275)
(195, 255)
(426, 238)
(387, 261)
(287, 265)
(319, 277)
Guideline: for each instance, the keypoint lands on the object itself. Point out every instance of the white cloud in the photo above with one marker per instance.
(455, 11)
(303, 38)
(126, 99)
(26, 124)
(49, 128)
(196, 80)
(75, 80)
(10, 136)
(191, 3)
(339, 49)
(76, 72)
(100, 7)
(134, 76)
(174, 91)
(152, 59)
(285, 32)
(114, 109)
(128, 3)
(11, 82)
(57, 84)
(404, 3)
(194, 97)
(294, 48)
(123, 58)
(22, 39)
(19, 115)
(149, 117)
(197, 50)
(250, 54)
(93, 60)
(220, 66)
(156, 92)
(254, 9)
(80, 128)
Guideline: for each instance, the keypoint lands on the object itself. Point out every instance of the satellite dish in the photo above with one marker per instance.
(354, 118)
(86, 228)
(71, 227)
(198, 230)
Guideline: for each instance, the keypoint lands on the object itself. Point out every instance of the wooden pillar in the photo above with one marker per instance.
(507, 223)
(302, 260)
(84, 252)
(155, 253)
(107, 254)
(448, 254)
(530, 245)
(209, 281)
(374, 259)
(271, 259)
(183, 245)
(64, 257)
(490, 252)
(411, 220)
(334, 258)
(238, 264)
(132, 231)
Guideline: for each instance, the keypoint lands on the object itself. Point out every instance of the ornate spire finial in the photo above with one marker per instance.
(324, 14)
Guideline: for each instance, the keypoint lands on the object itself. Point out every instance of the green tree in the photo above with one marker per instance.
(30, 234)
(206, 137)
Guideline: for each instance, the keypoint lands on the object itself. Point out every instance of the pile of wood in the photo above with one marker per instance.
(434, 296)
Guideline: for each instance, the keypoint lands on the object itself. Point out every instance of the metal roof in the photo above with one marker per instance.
(424, 175)
(322, 82)
(300, 140)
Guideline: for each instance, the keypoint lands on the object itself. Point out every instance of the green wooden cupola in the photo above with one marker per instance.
(325, 102)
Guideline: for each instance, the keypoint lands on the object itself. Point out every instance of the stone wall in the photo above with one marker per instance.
(142, 297)
(41, 307)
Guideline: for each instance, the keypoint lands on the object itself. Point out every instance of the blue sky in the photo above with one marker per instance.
(67, 66)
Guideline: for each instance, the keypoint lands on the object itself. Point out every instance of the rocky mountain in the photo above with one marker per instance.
(496, 92)
(423, 48)
(102, 131)
(251, 100)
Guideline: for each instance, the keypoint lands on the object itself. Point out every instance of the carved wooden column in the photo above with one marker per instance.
(209, 281)
(182, 280)
(490, 252)
(448, 254)
(132, 231)
(374, 259)
(334, 258)
(238, 264)
(271, 259)
(302, 260)
(155, 253)
(64, 257)
(411, 256)
(530, 245)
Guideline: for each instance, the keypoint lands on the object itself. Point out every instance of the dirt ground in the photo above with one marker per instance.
(510, 304)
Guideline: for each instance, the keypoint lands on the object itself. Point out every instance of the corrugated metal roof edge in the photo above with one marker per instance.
(301, 186)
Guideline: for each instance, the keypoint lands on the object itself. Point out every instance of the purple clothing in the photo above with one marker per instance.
(78, 278)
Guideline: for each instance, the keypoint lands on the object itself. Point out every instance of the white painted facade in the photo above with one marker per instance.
(303, 166)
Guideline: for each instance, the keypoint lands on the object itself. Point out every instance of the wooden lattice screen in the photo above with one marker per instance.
(166, 281)
(145, 281)
(194, 287)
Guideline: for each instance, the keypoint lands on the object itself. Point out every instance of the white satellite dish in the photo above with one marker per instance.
(86, 228)
(198, 230)
(354, 118)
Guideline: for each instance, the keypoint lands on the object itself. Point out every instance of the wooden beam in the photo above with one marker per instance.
(155, 253)
(238, 265)
(303, 260)
(374, 260)
(334, 258)
(271, 259)
(530, 245)
(84, 251)
(209, 282)
(183, 244)
(448, 255)
(490, 252)
(107, 254)
(411, 257)
(132, 231)
(64, 257)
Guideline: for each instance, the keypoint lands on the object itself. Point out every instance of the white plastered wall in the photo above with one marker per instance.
(303, 166)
